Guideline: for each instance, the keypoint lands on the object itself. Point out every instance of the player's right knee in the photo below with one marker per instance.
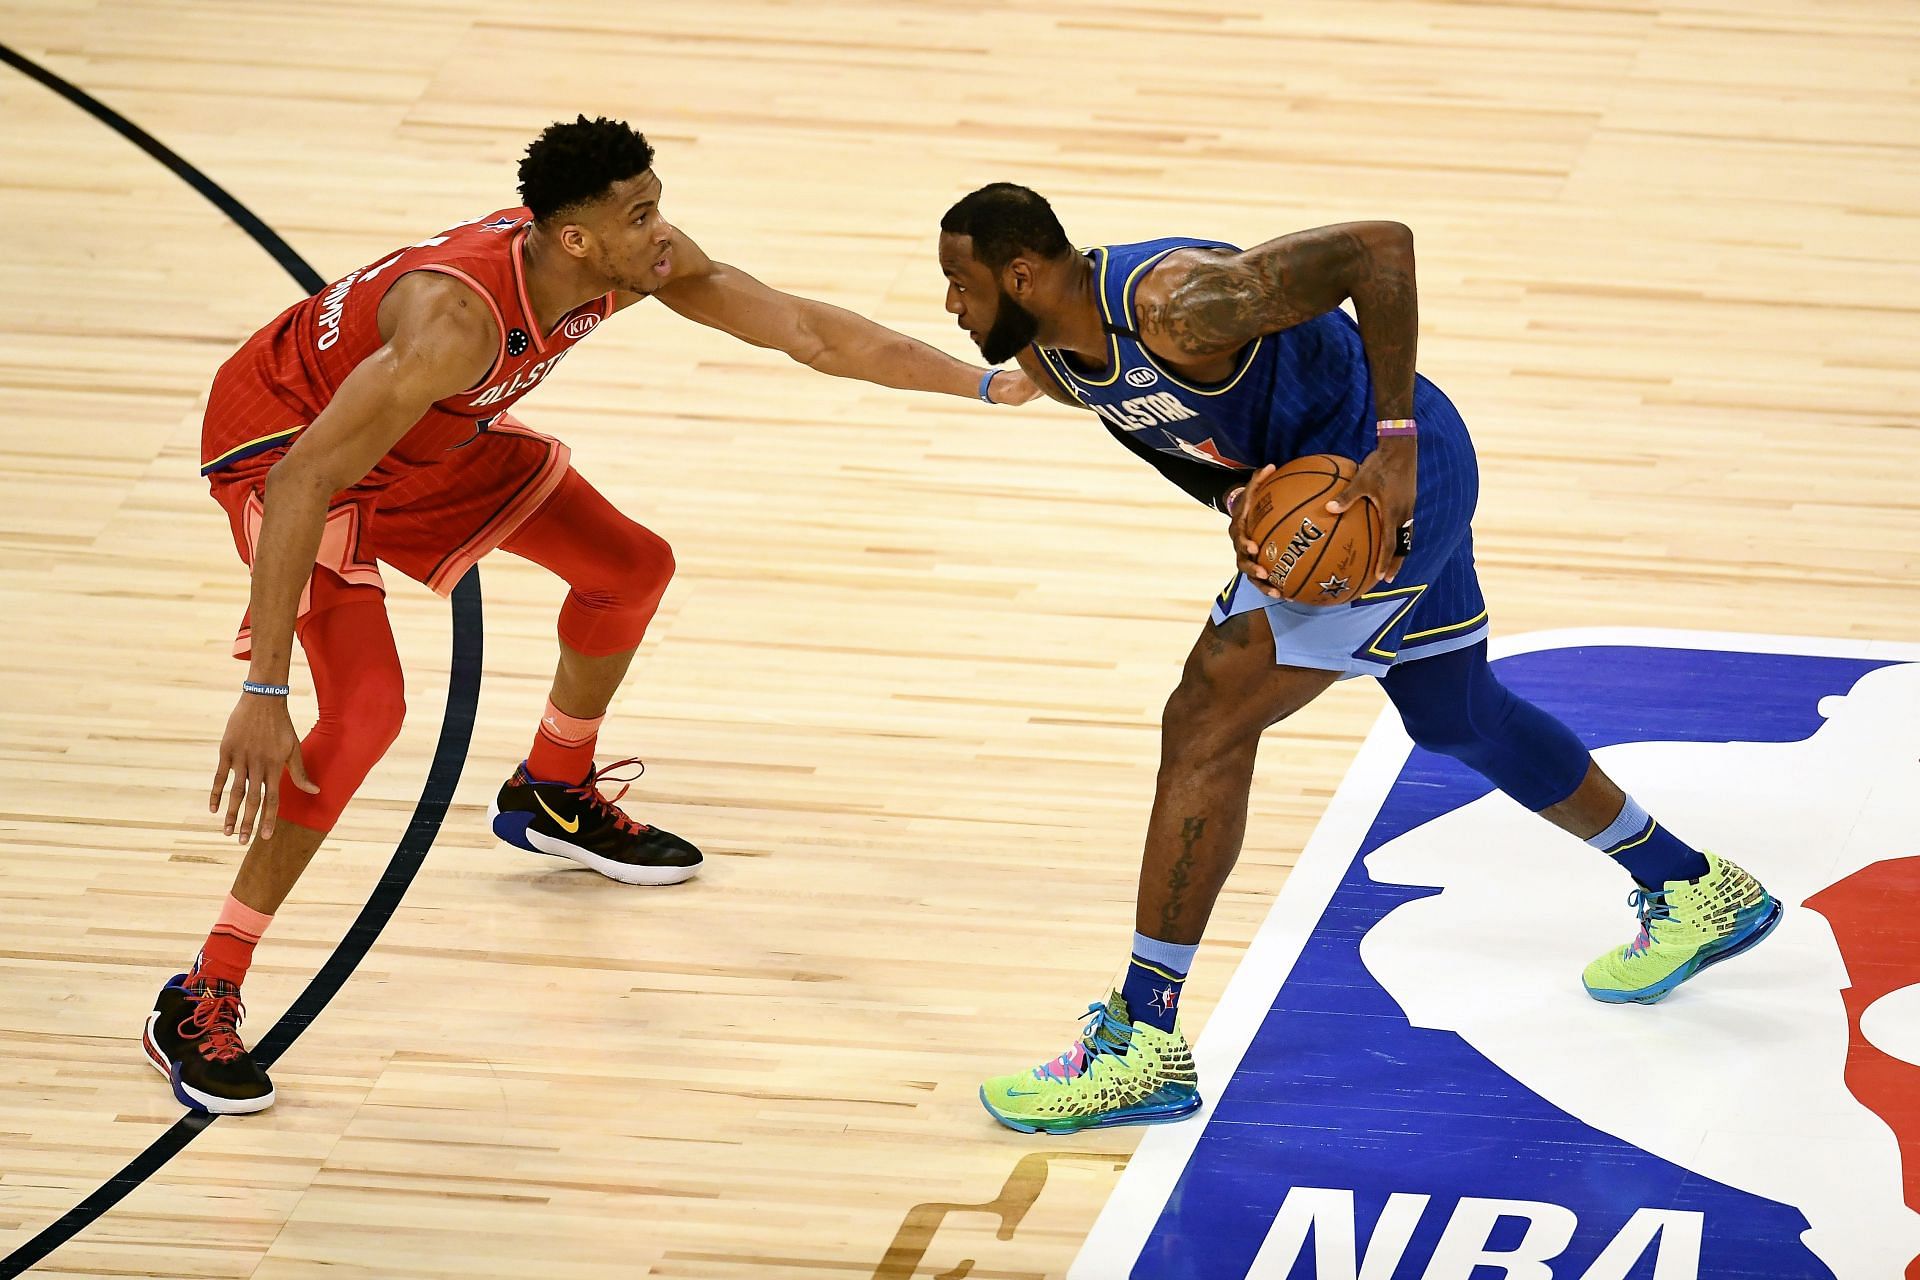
(373, 710)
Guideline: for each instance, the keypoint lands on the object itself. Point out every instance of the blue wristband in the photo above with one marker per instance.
(265, 690)
(986, 381)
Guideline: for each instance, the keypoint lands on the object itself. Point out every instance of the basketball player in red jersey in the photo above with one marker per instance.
(370, 423)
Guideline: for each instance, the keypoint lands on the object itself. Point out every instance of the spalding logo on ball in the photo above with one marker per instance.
(1311, 555)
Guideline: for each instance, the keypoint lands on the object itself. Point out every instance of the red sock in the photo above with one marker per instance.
(229, 948)
(563, 749)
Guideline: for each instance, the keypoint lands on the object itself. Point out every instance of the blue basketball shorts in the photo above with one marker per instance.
(1432, 606)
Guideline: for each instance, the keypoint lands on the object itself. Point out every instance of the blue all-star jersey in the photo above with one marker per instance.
(1303, 390)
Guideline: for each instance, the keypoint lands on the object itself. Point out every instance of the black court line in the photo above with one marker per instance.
(449, 755)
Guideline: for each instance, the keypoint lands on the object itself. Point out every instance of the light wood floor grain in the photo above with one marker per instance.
(906, 685)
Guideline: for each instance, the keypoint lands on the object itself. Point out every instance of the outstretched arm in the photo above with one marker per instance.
(820, 336)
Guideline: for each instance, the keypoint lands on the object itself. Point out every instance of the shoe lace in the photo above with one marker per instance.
(1650, 905)
(1101, 1033)
(589, 791)
(215, 1023)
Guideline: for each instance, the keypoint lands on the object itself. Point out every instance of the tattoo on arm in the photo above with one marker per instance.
(1223, 301)
(1177, 880)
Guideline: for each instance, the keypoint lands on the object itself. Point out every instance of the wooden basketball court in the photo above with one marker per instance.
(906, 685)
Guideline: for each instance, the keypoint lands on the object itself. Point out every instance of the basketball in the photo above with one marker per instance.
(1311, 555)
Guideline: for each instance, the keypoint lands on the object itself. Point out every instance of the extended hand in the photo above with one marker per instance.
(1245, 552)
(1012, 386)
(258, 744)
(1386, 479)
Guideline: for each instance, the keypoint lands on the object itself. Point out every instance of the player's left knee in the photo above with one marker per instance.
(1206, 718)
(1457, 738)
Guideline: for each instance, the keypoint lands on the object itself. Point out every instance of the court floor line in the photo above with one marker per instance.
(449, 755)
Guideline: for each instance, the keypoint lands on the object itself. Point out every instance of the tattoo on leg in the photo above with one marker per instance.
(1191, 829)
(1228, 635)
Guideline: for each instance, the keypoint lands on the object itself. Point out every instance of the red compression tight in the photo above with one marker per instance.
(357, 681)
(616, 571)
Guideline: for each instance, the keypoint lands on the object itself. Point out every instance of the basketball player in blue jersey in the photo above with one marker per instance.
(1213, 363)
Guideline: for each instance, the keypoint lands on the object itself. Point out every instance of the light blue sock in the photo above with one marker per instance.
(1651, 854)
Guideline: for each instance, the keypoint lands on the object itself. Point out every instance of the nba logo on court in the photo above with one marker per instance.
(1407, 1082)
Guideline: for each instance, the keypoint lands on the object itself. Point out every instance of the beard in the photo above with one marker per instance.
(618, 276)
(1013, 331)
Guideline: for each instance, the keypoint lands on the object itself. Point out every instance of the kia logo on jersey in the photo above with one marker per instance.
(1142, 377)
(580, 326)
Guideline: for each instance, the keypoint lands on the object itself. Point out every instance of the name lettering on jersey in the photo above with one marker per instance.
(1145, 411)
(521, 381)
(335, 301)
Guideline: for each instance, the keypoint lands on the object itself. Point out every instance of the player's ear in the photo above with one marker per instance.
(1017, 278)
(575, 240)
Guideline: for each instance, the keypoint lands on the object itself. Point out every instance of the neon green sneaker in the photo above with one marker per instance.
(1117, 1072)
(1685, 925)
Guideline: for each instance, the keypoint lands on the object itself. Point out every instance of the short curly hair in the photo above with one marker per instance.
(572, 164)
(1005, 221)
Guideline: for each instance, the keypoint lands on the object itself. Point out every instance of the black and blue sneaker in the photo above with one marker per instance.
(573, 820)
(192, 1037)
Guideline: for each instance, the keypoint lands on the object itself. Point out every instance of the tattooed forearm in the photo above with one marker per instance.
(1387, 304)
(1191, 829)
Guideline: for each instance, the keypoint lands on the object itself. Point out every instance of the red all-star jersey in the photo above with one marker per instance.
(277, 383)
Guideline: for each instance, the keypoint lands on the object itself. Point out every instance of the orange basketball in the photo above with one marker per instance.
(1310, 554)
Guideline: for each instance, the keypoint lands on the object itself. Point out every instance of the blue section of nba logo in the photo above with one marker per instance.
(1339, 1090)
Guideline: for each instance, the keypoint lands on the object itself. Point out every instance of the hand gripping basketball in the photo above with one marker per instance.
(1387, 479)
(1288, 545)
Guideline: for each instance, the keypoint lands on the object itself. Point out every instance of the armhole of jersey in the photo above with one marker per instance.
(1249, 353)
(499, 321)
(1131, 286)
(607, 314)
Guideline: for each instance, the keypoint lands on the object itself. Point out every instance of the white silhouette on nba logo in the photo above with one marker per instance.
(1740, 1075)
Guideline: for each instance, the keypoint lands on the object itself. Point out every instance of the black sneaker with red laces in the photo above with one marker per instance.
(573, 820)
(192, 1038)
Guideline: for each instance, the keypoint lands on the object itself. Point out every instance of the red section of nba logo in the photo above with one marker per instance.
(580, 326)
(1872, 913)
